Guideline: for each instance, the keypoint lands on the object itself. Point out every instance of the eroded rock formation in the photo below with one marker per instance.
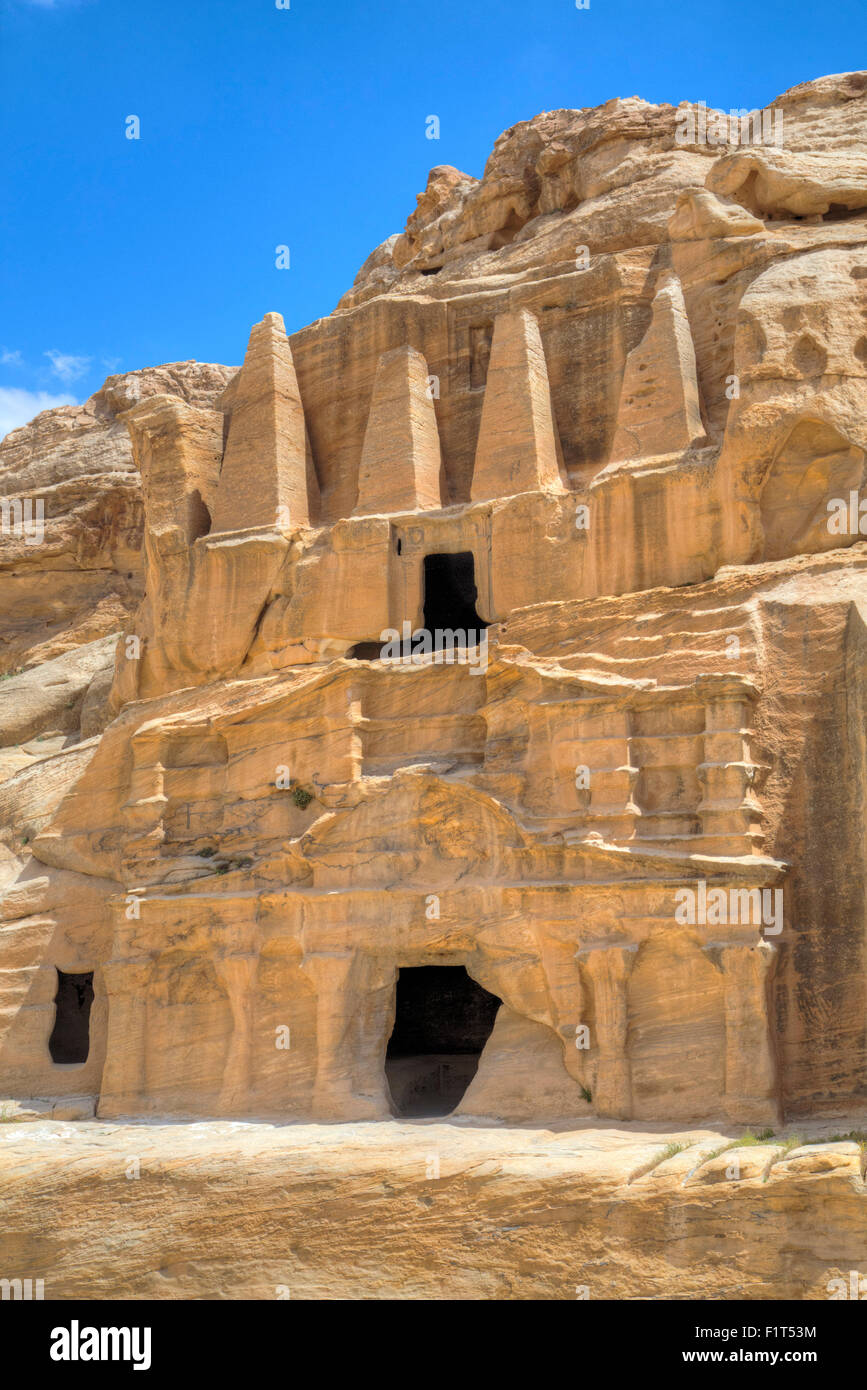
(593, 414)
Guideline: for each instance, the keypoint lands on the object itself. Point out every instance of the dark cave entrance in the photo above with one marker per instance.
(450, 597)
(443, 1019)
(365, 651)
(70, 1037)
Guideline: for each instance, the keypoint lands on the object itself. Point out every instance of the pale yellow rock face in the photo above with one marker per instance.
(701, 215)
(590, 435)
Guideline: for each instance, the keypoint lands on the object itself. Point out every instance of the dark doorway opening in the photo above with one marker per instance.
(442, 1021)
(70, 1037)
(450, 596)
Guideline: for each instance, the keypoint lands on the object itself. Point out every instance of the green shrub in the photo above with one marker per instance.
(854, 1136)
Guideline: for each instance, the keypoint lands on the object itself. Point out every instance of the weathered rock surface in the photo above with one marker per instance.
(432, 1211)
(84, 579)
(595, 412)
(52, 695)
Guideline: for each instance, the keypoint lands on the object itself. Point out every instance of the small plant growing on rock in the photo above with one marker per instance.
(715, 1153)
(794, 1142)
(301, 796)
(855, 1136)
(748, 1139)
(668, 1152)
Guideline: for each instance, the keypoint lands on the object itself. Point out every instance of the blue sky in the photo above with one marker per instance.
(305, 127)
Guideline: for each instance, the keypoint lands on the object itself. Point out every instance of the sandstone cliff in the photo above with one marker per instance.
(606, 409)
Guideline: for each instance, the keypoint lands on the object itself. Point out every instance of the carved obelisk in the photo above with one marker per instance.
(517, 445)
(263, 481)
(400, 457)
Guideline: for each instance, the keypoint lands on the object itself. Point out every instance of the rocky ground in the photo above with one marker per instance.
(428, 1210)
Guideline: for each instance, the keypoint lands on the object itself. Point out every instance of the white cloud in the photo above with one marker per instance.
(19, 407)
(11, 358)
(67, 367)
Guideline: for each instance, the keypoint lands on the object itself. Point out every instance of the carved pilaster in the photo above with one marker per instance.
(605, 746)
(124, 1078)
(237, 974)
(346, 982)
(609, 968)
(751, 1073)
(566, 995)
(729, 809)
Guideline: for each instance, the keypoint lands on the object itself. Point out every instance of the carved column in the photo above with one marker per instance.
(237, 974)
(609, 968)
(124, 1077)
(751, 1073)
